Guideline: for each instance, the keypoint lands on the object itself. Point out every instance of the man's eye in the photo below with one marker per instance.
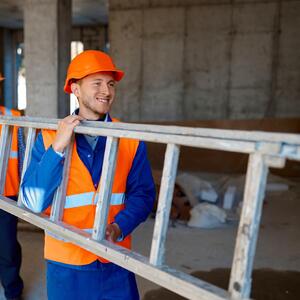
(112, 84)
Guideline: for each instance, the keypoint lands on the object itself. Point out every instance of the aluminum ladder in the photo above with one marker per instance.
(265, 150)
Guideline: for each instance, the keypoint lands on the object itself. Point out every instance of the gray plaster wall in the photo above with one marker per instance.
(213, 59)
(93, 37)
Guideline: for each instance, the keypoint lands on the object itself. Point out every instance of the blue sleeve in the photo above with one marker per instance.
(140, 193)
(42, 177)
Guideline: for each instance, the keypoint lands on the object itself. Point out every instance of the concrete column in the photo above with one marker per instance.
(47, 28)
(9, 70)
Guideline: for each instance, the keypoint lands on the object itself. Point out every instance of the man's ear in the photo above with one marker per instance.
(75, 88)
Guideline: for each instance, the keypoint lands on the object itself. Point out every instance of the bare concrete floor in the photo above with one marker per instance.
(192, 250)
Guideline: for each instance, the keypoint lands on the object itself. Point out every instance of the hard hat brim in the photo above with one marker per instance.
(118, 75)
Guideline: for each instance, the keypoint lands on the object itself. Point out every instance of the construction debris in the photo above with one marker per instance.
(206, 215)
(229, 197)
(209, 200)
(196, 189)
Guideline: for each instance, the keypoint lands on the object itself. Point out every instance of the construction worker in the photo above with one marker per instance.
(72, 272)
(10, 249)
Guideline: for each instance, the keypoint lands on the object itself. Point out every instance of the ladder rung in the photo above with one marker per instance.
(59, 199)
(164, 204)
(27, 157)
(5, 148)
(240, 278)
(103, 198)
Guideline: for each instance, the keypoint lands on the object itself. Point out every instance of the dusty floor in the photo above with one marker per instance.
(200, 250)
(267, 285)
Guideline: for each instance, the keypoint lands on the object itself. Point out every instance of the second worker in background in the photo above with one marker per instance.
(10, 248)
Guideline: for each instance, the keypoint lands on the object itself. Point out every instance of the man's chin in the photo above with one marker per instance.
(101, 111)
(102, 107)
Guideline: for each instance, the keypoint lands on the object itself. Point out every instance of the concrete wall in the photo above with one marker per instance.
(206, 59)
(93, 37)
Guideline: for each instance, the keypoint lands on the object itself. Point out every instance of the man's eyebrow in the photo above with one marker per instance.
(100, 79)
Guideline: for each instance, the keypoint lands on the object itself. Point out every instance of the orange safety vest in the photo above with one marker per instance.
(80, 205)
(12, 180)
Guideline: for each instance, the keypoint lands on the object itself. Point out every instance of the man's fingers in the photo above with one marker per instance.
(70, 121)
(73, 118)
(76, 117)
(108, 235)
(76, 122)
(112, 232)
(64, 132)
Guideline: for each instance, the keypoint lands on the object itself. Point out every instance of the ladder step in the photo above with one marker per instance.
(27, 157)
(59, 199)
(164, 204)
(103, 198)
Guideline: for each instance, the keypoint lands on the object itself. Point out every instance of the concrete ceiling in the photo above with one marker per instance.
(85, 12)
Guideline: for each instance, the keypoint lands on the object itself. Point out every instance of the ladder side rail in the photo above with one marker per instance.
(157, 253)
(172, 279)
(241, 135)
(59, 198)
(5, 149)
(166, 138)
(104, 195)
(190, 141)
(245, 135)
(27, 157)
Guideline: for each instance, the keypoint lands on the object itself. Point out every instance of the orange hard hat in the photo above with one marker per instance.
(90, 62)
(1, 77)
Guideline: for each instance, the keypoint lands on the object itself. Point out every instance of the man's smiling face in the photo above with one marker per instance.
(96, 94)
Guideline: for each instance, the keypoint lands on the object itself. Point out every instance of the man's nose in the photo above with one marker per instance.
(105, 89)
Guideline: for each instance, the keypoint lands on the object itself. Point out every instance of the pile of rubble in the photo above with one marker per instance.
(211, 200)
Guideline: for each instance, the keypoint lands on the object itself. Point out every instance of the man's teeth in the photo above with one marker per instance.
(102, 100)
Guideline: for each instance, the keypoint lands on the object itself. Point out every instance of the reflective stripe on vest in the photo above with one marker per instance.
(13, 154)
(91, 198)
(7, 112)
